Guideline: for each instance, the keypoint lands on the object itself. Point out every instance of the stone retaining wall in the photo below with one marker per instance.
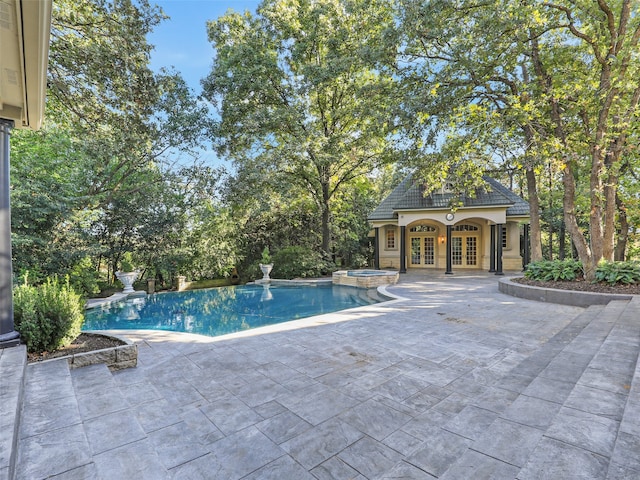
(116, 358)
(554, 295)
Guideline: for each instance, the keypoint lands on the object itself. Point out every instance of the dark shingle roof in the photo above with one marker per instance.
(410, 196)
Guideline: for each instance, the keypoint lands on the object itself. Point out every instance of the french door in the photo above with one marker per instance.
(464, 251)
(423, 251)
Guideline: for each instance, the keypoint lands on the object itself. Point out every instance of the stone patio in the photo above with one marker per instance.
(456, 381)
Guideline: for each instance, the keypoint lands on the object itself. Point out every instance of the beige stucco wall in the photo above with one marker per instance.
(511, 259)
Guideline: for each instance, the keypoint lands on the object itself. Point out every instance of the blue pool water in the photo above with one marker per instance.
(217, 311)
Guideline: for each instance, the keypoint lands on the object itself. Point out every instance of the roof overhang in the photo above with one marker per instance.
(25, 29)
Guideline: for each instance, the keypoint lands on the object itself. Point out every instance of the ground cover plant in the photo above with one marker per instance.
(545, 270)
(613, 273)
(569, 270)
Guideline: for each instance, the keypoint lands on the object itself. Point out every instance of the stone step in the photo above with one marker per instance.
(81, 426)
(52, 439)
(627, 443)
(540, 385)
(522, 375)
(580, 438)
(13, 363)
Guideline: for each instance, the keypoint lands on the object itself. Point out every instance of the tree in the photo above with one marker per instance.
(297, 92)
(592, 106)
(102, 89)
(105, 152)
(468, 85)
(44, 196)
(564, 73)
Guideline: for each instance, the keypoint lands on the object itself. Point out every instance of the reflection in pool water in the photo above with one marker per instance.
(218, 311)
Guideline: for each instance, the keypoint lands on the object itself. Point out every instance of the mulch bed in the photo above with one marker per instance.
(85, 342)
(583, 286)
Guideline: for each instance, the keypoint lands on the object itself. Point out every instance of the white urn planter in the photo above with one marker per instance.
(266, 270)
(127, 279)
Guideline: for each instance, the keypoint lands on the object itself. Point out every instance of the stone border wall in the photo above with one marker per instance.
(342, 277)
(116, 358)
(554, 295)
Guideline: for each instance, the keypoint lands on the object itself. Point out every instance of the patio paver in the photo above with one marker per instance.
(458, 381)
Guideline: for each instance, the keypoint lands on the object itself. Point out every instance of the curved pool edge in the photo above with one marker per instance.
(392, 297)
(192, 339)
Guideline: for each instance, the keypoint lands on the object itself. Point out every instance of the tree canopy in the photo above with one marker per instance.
(554, 82)
(299, 95)
(321, 105)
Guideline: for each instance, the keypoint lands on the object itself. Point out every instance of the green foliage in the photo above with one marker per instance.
(618, 272)
(48, 316)
(545, 270)
(299, 94)
(84, 277)
(126, 262)
(214, 283)
(266, 256)
(300, 262)
(543, 83)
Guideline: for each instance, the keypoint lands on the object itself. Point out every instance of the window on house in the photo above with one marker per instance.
(464, 228)
(422, 229)
(504, 236)
(391, 239)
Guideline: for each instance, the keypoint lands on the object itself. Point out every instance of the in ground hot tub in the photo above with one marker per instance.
(365, 278)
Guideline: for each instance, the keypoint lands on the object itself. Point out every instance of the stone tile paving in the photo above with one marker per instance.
(458, 382)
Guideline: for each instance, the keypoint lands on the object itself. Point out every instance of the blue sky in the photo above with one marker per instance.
(181, 41)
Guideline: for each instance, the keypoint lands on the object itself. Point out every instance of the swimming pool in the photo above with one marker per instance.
(217, 311)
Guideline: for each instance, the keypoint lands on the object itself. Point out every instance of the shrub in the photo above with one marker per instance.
(618, 272)
(293, 262)
(266, 256)
(48, 316)
(545, 270)
(126, 262)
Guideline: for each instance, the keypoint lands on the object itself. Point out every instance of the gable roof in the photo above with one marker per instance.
(409, 195)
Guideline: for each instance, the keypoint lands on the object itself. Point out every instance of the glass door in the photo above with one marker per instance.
(464, 251)
(422, 251)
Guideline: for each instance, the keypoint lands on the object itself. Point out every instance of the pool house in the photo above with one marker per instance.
(489, 231)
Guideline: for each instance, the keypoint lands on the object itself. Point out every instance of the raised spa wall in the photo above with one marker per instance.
(368, 280)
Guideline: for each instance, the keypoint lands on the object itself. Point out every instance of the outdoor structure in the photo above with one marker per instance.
(25, 27)
(488, 232)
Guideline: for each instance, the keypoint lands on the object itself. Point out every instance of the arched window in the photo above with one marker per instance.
(422, 229)
(465, 227)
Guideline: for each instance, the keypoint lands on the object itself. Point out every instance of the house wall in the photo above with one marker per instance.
(390, 257)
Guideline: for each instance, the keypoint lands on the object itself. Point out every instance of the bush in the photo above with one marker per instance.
(300, 262)
(48, 316)
(618, 272)
(126, 262)
(545, 270)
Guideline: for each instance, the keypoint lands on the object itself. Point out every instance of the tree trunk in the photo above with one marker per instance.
(326, 229)
(623, 236)
(568, 180)
(535, 237)
(612, 164)
(571, 222)
(595, 215)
